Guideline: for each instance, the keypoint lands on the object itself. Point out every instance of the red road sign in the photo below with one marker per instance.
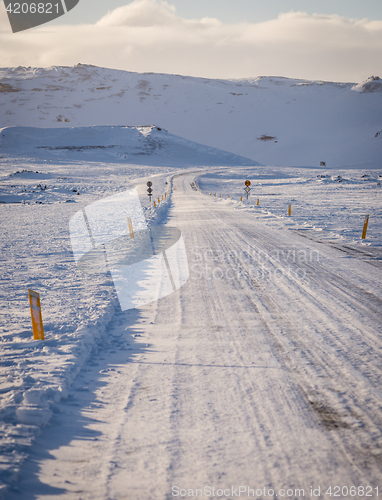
(247, 183)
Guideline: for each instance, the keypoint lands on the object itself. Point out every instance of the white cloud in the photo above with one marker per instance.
(148, 35)
(152, 13)
(142, 13)
(5, 27)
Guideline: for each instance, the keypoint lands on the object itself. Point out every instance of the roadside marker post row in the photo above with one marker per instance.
(164, 196)
(247, 190)
(34, 297)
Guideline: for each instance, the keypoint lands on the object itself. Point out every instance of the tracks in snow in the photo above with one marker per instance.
(239, 378)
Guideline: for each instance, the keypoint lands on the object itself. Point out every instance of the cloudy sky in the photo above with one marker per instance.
(337, 40)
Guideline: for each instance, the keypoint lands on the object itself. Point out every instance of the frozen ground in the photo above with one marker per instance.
(328, 204)
(45, 177)
(263, 370)
(36, 253)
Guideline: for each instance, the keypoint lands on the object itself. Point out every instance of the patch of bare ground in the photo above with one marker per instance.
(329, 417)
(265, 138)
(5, 87)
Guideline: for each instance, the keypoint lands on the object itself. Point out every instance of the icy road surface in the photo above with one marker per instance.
(263, 371)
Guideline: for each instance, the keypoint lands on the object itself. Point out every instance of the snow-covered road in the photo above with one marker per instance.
(263, 371)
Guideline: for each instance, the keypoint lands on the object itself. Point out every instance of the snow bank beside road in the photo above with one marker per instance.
(76, 311)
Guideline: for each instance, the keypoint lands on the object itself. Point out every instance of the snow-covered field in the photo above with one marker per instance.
(329, 204)
(36, 253)
(46, 176)
(55, 382)
(264, 369)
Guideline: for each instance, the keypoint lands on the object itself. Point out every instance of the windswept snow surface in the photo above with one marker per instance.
(326, 204)
(262, 371)
(36, 253)
(272, 120)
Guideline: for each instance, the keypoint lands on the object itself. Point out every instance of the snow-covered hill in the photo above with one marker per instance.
(272, 120)
(135, 145)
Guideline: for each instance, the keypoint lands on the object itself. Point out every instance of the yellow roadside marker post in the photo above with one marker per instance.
(365, 224)
(290, 210)
(241, 198)
(258, 202)
(162, 197)
(35, 305)
(130, 223)
(154, 204)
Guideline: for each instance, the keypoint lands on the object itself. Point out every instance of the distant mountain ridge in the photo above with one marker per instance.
(272, 120)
